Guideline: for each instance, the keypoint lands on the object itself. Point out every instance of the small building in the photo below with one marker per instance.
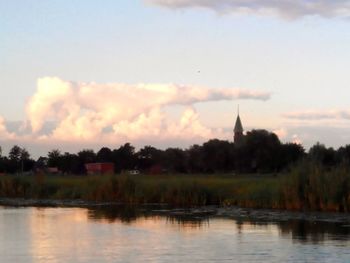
(134, 172)
(155, 169)
(52, 170)
(99, 168)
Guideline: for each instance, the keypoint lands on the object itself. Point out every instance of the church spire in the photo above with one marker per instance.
(238, 129)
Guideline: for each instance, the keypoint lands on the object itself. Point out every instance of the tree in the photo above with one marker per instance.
(19, 159)
(263, 151)
(70, 163)
(15, 153)
(217, 156)
(290, 153)
(148, 156)
(343, 155)
(321, 154)
(27, 163)
(87, 156)
(175, 160)
(195, 159)
(105, 155)
(124, 157)
(24, 154)
(54, 158)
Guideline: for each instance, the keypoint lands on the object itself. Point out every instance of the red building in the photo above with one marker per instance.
(99, 168)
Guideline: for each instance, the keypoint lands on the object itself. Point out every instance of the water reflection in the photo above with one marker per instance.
(144, 234)
(132, 214)
(299, 230)
(314, 232)
(124, 214)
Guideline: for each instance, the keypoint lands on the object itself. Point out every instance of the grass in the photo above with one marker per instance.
(313, 187)
(306, 187)
(179, 190)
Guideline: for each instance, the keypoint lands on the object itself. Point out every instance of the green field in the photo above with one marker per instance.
(305, 187)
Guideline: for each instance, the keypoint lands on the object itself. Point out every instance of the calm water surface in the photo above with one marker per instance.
(126, 235)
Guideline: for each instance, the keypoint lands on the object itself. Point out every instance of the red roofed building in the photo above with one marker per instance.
(99, 168)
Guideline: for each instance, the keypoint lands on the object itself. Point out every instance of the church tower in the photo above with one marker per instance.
(238, 130)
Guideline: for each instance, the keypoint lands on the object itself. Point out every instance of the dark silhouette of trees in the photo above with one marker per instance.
(104, 155)
(124, 158)
(195, 162)
(18, 160)
(54, 158)
(260, 151)
(343, 155)
(70, 163)
(321, 154)
(15, 153)
(175, 160)
(24, 154)
(217, 156)
(290, 153)
(148, 156)
(26, 163)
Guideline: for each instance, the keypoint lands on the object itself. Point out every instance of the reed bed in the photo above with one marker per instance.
(307, 186)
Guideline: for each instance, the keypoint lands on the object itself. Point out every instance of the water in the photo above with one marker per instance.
(129, 235)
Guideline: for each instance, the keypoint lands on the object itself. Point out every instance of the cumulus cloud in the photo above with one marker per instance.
(311, 115)
(4, 133)
(296, 139)
(281, 133)
(290, 9)
(83, 111)
(156, 124)
(53, 98)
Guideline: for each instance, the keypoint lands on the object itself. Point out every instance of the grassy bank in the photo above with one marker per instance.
(306, 187)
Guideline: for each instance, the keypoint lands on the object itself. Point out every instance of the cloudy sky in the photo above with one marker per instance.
(83, 73)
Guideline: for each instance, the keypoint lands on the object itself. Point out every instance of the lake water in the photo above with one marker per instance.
(128, 235)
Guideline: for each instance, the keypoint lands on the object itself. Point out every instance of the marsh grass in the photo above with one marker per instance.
(307, 186)
(178, 190)
(310, 186)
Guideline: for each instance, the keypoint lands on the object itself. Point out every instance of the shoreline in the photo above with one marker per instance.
(230, 212)
(285, 192)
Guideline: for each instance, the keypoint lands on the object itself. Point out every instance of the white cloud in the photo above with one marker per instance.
(83, 111)
(4, 133)
(316, 115)
(328, 126)
(50, 92)
(334, 136)
(281, 133)
(290, 9)
(296, 139)
(155, 124)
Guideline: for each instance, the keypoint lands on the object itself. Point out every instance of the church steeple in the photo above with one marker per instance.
(238, 129)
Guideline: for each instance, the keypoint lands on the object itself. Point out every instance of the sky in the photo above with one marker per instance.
(77, 74)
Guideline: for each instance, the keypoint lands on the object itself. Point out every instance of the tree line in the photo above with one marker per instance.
(259, 152)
